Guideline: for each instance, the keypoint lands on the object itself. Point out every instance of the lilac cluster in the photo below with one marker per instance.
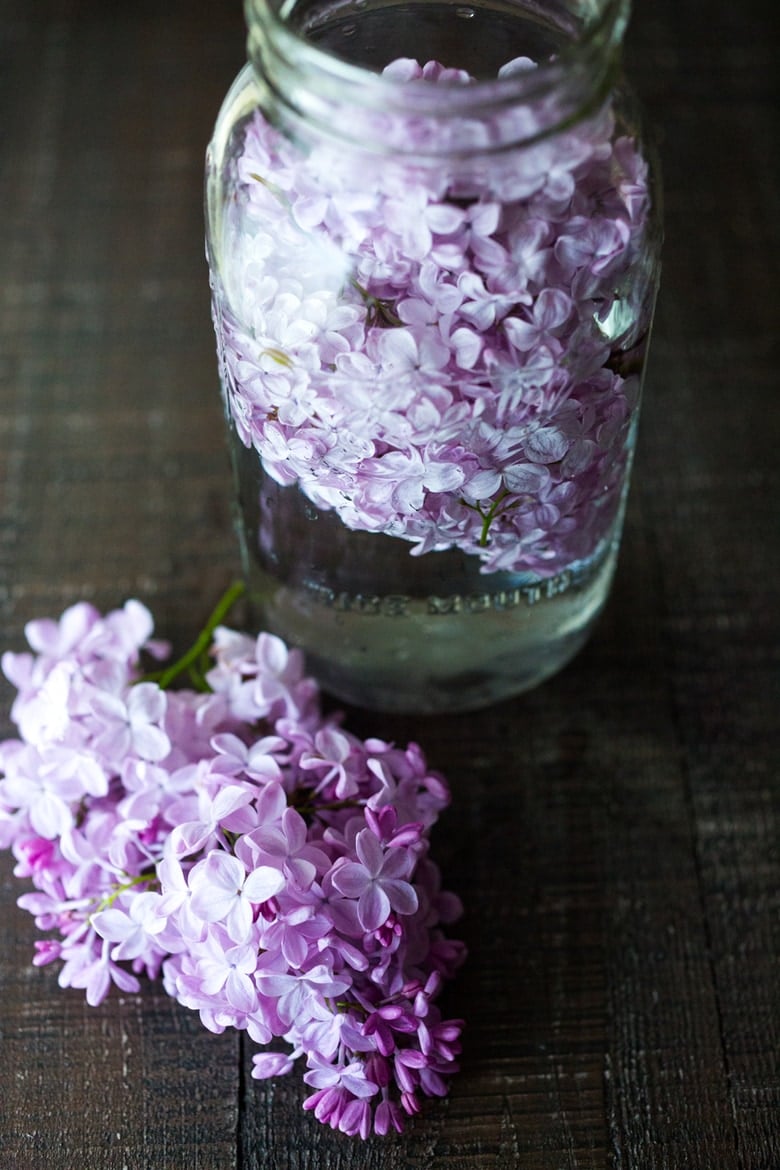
(271, 866)
(431, 350)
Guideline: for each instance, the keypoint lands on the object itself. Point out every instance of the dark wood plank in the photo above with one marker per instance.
(114, 485)
(137, 1082)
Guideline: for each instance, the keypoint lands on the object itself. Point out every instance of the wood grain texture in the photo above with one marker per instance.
(614, 834)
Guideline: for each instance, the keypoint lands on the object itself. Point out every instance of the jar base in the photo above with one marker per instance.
(434, 655)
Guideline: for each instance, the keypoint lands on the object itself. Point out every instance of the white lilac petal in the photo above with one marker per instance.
(96, 981)
(263, 883)
(216, 885)
(295, 830)
(309, 211)
(416, 312)
(484, 218)
(229, 800)
(239, 920)
(450, 256)
(50, 816)
(403, 69)
(517, 65)
(240, 992)
(443, 477)
(150, 742)
(212, 977)
(146, 704)
(467, 346)
(302, 870)
(130, 628)
(444, 218)
(398, 350)
(18, 669)
(58, 638)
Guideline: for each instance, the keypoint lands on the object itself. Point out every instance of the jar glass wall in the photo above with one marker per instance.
(433, 242)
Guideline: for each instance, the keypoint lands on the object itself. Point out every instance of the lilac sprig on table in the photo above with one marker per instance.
(272, 868)
(436, 355)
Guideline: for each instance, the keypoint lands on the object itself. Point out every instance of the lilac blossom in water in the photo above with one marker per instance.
(273, 868)
(426, 353)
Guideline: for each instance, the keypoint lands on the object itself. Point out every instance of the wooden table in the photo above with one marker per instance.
(614, 834)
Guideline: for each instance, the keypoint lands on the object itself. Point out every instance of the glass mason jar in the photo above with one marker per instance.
(433, 244)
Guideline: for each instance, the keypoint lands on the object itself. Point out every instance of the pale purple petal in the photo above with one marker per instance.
(552, 308)
(294, 826)
(526, 478)
(271, 1064)
(401, 895)
(397, 863)
(299, 872)
(373, 907)
(522, 334)
(351, 879)
(369, 851)
(547, 445)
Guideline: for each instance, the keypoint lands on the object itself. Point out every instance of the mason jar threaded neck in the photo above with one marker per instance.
(316, 90)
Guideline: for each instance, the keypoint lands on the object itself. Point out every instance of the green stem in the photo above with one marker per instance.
(487, 519)
(327, 806)
(199, 648)
(138, 879)
(377, 308)
(489, 516)
(299, 800)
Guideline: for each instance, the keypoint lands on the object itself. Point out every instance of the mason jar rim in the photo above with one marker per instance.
(316, 87)
(600, 35)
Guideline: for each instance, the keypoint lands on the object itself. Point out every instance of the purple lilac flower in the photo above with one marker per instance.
(271, 867)
(377, 881)
(133, 930)
(223, 891)
(131, 726)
